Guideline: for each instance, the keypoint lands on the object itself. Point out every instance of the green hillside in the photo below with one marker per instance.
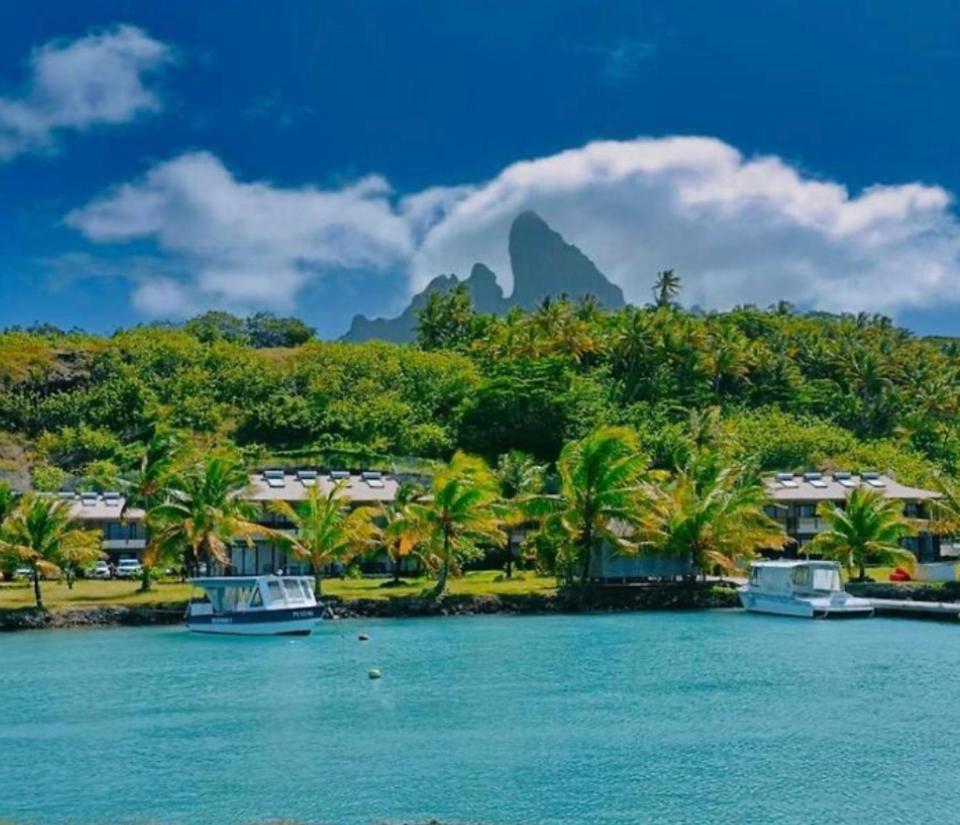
(788, 390)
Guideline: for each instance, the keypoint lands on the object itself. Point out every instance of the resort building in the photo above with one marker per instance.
(796, 501)
(123, 529)
(266, 556)
(607, 566)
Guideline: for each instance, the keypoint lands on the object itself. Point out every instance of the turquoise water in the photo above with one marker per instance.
(631, 718)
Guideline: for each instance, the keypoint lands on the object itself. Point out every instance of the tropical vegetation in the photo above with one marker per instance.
(867, 528)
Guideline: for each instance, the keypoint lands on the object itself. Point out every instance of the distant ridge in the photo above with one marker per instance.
(543, 265)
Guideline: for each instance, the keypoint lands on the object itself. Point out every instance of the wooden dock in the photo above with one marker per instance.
(947, 611)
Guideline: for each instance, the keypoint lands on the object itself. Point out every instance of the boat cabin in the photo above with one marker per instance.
(237, 594)
(796, 578)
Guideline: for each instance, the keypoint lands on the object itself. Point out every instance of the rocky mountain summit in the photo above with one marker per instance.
(543, 265)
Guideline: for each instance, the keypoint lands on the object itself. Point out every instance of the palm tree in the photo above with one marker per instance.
(8, 500)
(710, 513)
(203, 513)
(600, 479)
(328, 530)
(148, 485)
(459, 514)
(867, 527)
(520, 477)
(41, 533)
(401, 535)
(666, 288)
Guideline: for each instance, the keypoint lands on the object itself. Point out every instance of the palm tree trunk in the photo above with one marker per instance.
(397, 561)
(863, 569)
(145, 580)
(36, 588)
(441, 587)
(587, 552)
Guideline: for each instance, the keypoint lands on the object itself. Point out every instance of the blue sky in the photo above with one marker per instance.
(322, 159)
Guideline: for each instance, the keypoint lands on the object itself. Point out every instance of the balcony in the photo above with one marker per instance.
(124, 544)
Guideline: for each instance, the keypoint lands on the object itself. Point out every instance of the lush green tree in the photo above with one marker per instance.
(401, 532)
(202, 513)
(708, 512)
(459, 515)
(446, 320)
(866, 527)
(600, 483)
(666, 288)
(147, 485)
(8, 499)
(328, 529)
(520, 478)
(41, 533)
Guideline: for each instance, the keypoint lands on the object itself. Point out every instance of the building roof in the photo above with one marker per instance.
(787, 487)
(101, 507)
(279, 485)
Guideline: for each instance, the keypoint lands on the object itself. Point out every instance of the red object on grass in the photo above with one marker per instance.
(900, 575)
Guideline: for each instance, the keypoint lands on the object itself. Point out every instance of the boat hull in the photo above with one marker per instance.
(848, 607)
(297, 621)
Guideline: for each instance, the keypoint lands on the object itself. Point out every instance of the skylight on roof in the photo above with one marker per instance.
(339, 475)
(376, 483)
(819, 483)
(875, 481)
(276, 483)
(788, 482)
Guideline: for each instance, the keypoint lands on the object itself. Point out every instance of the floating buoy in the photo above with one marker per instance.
(363, 637)
(373, 673)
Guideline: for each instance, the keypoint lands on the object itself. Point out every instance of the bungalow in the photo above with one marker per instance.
(266, 556)
(796, 501)
(607, 566)
(123, 529)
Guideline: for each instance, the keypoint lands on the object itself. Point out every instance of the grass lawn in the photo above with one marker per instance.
(89, 593)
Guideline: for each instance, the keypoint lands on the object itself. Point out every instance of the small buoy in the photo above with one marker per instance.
(363, 637)
(373, 673)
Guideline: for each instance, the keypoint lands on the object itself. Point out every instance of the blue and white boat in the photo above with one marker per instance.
(810, 589)
(254, 606)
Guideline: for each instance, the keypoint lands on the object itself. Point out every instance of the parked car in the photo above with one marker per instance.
(101, 570)
(129, 569)
(23, 573)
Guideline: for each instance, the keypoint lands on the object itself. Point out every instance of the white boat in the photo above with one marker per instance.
(254, 606)
(811, 589)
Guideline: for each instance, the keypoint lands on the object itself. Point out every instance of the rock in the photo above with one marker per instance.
(543, 264)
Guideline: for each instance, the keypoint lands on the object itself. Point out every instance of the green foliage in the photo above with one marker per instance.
(790, 391)
(48, 479)
(868, 527)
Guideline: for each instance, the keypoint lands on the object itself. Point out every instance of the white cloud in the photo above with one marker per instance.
(737, 229)
(94, 80)
(245, 245)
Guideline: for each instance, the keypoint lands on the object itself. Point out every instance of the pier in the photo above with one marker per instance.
(948, 611)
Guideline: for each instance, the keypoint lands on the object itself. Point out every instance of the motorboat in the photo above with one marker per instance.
(254, 606)
(810, 589)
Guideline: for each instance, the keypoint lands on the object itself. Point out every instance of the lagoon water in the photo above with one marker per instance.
(712, 717)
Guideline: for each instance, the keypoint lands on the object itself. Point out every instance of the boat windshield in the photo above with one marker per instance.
(228, 599)
(817, 579)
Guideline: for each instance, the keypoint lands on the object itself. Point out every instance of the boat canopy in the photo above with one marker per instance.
(231, 593)
(796, 577)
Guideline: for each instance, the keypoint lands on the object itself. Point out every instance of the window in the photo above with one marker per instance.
(800, 576)
(256, 600)
(276, 592)
(826, 579)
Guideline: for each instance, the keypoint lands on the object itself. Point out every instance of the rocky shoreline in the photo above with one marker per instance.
(639, 598)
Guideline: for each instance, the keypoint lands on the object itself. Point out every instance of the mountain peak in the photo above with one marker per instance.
(543, 265)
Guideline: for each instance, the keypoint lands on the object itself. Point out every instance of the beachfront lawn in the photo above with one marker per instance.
(90, 593)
